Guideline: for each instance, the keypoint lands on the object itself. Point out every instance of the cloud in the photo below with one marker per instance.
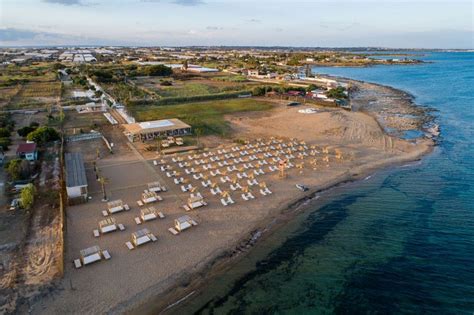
(254, 20)
(214, 28)
(339, 26)
(187, 3)
(65, 2)
(25, 37)
(13, 34)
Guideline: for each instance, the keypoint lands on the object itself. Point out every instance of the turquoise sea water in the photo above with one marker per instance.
(400, 242)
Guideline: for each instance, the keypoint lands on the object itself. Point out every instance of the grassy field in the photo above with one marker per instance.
(208, 117)
(29, 86)
(198, 86)
(41, 89)
(7, 93)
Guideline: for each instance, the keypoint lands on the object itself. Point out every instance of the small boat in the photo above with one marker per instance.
(302, 187)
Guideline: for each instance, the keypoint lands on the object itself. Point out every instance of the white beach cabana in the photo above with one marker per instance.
(148, 214)
(115, 206)
(155, 187)
(141, 237)
(195, 201)
(91, 255)
(181, 224)
(150, 197)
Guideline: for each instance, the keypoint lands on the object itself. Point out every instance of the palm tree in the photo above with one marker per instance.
(198, 133)
(103, 181)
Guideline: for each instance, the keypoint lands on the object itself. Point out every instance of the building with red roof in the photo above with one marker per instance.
(27, 151)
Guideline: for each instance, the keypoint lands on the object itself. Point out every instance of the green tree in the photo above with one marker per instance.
(57, 66)
(337, 93)
(158, 70)
(43, 135)
(27, 196)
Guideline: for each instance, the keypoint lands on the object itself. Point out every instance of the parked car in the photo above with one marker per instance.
(14, 205)
(293, 104)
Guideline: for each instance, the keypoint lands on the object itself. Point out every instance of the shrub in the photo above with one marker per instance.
(27, 196)
(337, 93)
(23, 132)
(166, 83)
(5, 143)
(4, 133)
(13, 168)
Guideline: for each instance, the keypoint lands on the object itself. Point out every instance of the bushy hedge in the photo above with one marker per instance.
(186, 99)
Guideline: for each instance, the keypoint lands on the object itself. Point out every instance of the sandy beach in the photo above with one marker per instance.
(149, 279)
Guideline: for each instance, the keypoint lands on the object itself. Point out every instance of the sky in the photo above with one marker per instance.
(317, 23)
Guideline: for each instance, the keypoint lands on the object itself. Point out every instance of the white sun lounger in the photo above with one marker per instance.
(216, 191)
(129, 245)
(77, 263)
(173, 231)
(105, 213)
(96, 233)
(121, 227)
(106, 255)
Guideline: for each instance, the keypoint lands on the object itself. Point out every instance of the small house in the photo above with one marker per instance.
(27, 151)
(76, 181)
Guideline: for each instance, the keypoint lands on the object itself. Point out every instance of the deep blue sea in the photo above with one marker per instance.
(400, 242)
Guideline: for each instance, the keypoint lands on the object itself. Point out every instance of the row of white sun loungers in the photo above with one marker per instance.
(185, 188)
(235, 187)
(178, 181)
(248, 158)
(190, 171)
(216, 191)
(227, 201)
(247, 196)
(198, 176)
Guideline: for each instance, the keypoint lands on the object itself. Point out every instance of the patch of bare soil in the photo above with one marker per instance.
(32, 258)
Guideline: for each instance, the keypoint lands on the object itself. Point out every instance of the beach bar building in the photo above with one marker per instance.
(150, 130)
(76, 181)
